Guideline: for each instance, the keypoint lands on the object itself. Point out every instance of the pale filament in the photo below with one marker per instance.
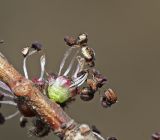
(42, 63)
(71, 64)
(24, 63)
(67, 53)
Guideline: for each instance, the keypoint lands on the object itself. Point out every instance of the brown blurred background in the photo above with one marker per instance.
(126, 37)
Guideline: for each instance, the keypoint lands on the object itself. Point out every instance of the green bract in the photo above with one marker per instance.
(58, 94)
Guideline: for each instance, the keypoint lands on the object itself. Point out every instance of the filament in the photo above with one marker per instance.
(12, 115)
(67, 53)
(8, 103)
(24, 63)
(71, 64)
(42, 63)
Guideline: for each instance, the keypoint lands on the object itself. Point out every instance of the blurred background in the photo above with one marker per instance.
(126, 37)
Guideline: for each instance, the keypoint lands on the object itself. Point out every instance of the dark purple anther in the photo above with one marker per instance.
(37, 46)
(70, 40)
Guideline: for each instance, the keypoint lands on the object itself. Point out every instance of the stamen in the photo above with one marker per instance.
(42, 63)
(24, 63)
(79, 81)
(8, 103)
(71, 64)
(76, 71)
(78, 78)
(83, 80)
(67, 53)
(12, 115)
